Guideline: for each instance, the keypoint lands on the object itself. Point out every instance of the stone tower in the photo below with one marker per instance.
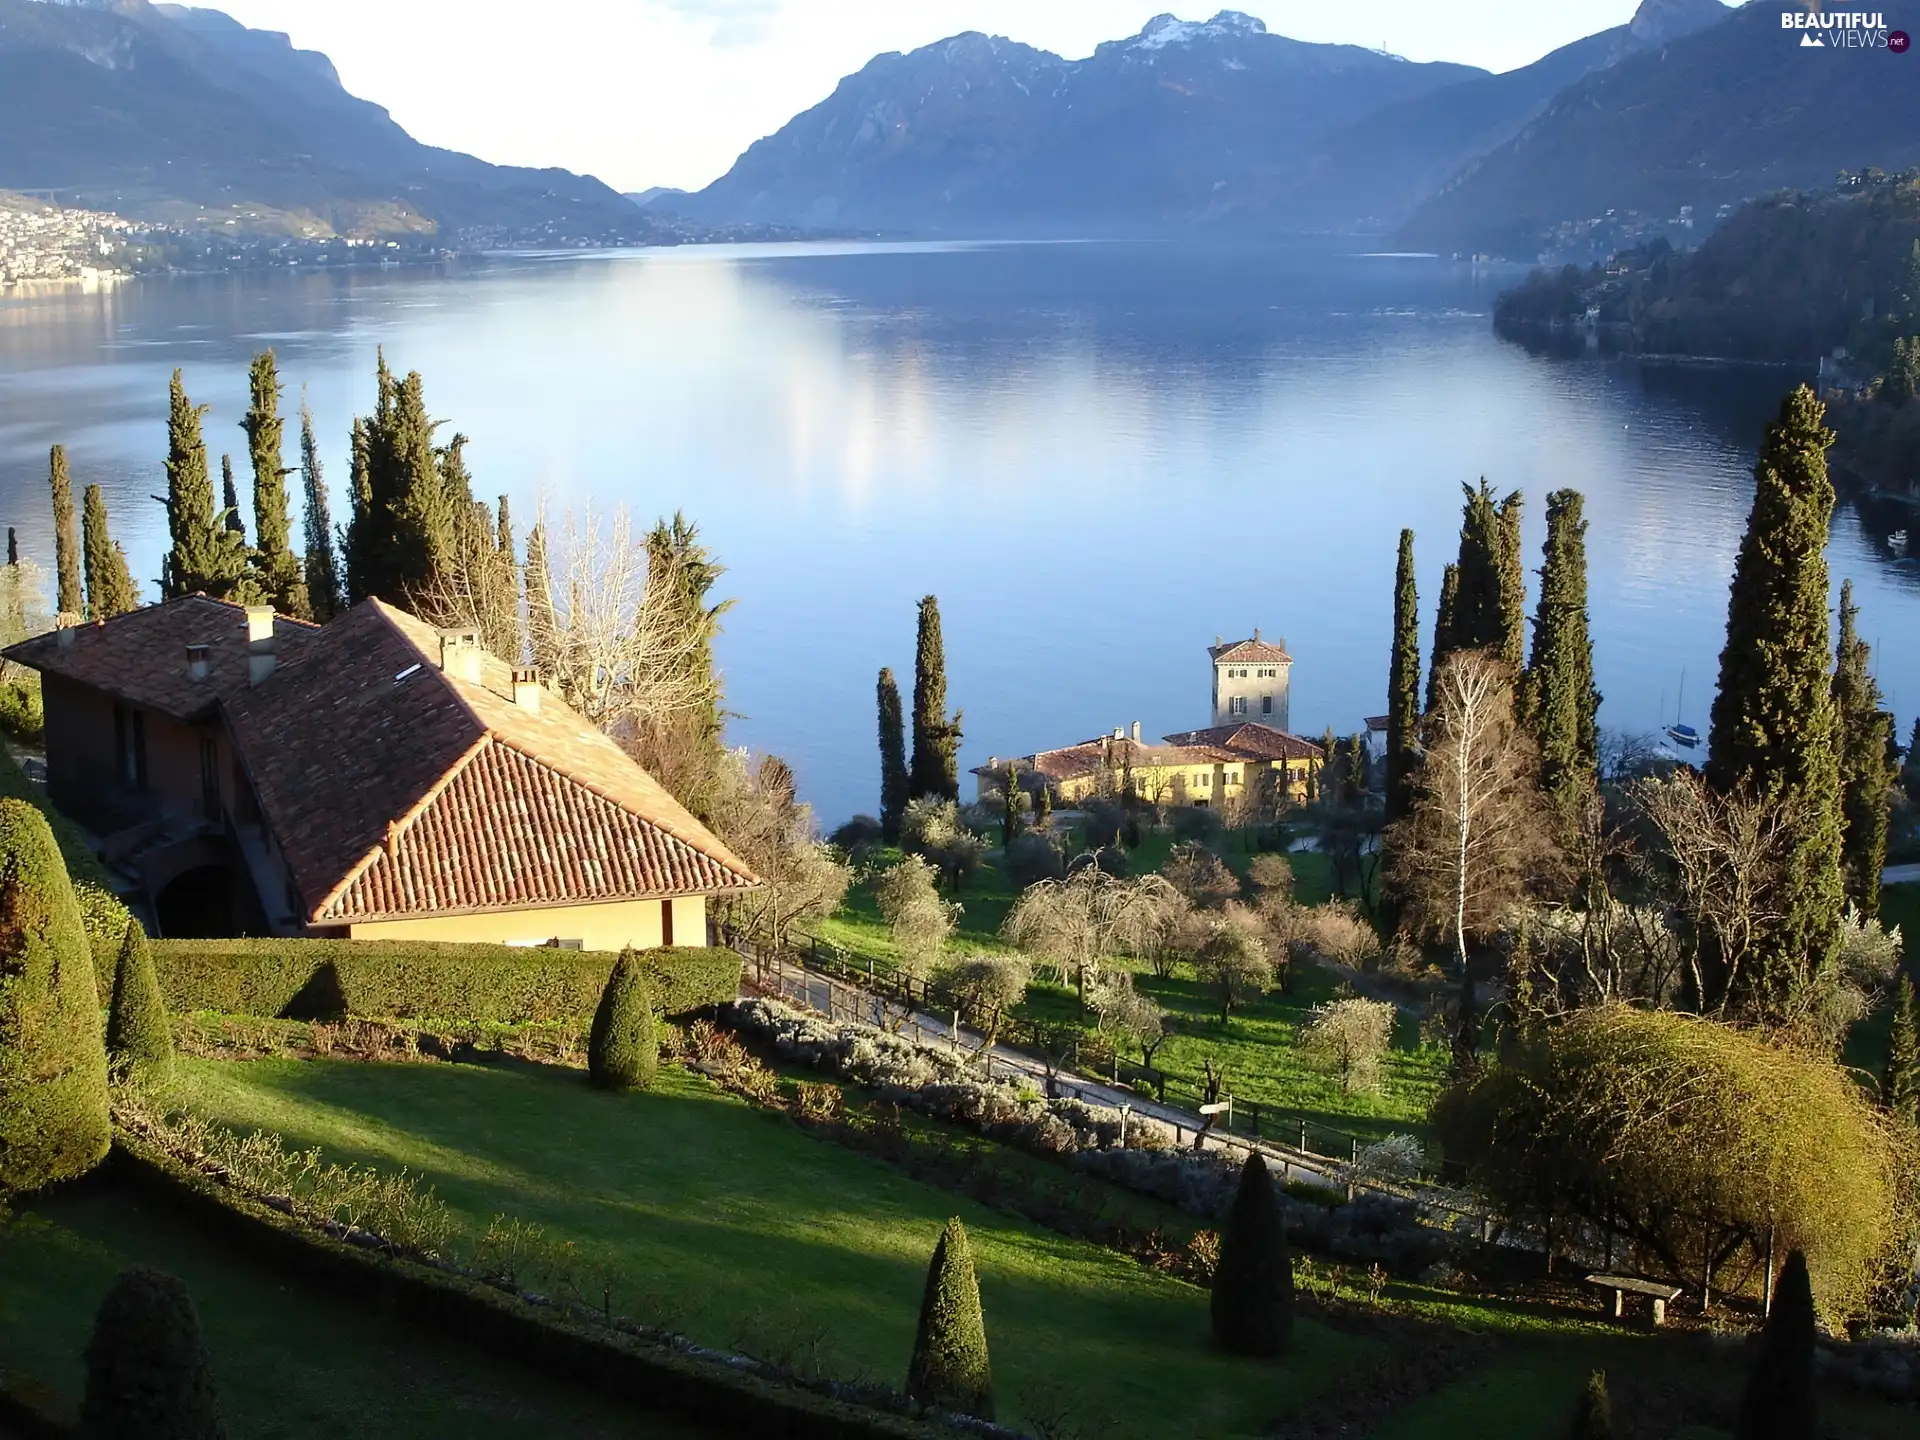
(1251, 681)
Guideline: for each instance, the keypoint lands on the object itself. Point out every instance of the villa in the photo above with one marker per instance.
(371, 778)
(1235, 764)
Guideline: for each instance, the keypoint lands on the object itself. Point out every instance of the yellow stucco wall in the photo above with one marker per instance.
(612, 926)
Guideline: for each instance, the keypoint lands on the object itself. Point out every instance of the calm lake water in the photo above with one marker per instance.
(1100, 457)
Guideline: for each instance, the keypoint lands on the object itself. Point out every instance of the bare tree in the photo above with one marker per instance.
(1235, 958)
(1200, 875)
(1723, 858)
(1478, 831)
(1075, 925)
(756, 811)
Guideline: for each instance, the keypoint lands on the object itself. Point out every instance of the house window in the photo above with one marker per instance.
(209, 778)
(1237, 705)
(130, 745)
(1266, 704)
(558, 944)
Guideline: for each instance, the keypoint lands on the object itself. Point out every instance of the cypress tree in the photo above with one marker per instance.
(455, 479)
(204, 556)
(139, 1036)
(1443, 628)
(66, 534)
(230, 500)
(281, 577)
(681, 574)
(622, 1050)
(1593, 1416)
(1779, 1401)
(893, 757)
(415, 513)
(358, 541)
(322, 568)
(148, 1374)
(110, 588)
(1253, 1283)
(503, 537)
(950, 1370)
(1403, 685)
(1900, 1089)
(1558, 700)
(1490, 592)
(1866, 774)
(544, 636)
(936, 739)
(1773, 718)
(53, 1065)
(13, 558)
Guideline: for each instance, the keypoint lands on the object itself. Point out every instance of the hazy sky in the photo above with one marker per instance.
(668, 92)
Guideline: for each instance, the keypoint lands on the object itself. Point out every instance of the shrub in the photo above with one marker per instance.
(1032, 858)
(1349, 1039)
(21, 715)
(1253, 1286)
(139, 1035)
(1191, 822)
(1200, 875)
(1270, 877)
(374, 979)
(1692, 1137)
(1779, 1400)
(622, 1053)
(934, 829)
(1593, 1416)
(861, 833)
(949, 1369)
(53, 1064)
(147, 1368)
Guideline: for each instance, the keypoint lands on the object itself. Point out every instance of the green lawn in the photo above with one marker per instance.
(292, 1362)
(738, 1228)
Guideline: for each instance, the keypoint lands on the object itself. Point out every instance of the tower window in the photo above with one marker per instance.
(1237, 705)
(1266, 704)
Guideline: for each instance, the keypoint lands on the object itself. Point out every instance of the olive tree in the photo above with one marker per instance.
(1234, 959)
(919, 921)
(1075, 925)
(1349, 1039)
(986, 987)
(1126, 1014)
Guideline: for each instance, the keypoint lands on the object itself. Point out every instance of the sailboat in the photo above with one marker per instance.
(1682, 734)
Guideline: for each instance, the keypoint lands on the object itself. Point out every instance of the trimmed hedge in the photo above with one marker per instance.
(419, 980)
(100, 909)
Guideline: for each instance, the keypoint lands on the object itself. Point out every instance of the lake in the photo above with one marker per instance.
(1100, 457)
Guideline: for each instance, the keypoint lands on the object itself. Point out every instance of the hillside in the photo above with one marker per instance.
(1708, 119)
(1181, 123)
(1375, 172)
(165, 111)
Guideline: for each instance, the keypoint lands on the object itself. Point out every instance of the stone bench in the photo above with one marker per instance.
(1660, 1294)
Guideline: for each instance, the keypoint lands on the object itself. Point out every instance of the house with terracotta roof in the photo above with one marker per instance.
(1227, 767)
(372, 778)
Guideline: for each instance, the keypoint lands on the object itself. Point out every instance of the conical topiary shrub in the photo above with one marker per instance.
(622, 1050)
(1593, 1416)
(1253, 1284)
(53, 1066)
(1779, 1400)
(147, 1368)
(949, 1370)
(139, 1036)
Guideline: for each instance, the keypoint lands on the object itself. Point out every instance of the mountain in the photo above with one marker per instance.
(1706, 119)
(167, 111)
(1184, 122)
(1374, 173)
(652, 193)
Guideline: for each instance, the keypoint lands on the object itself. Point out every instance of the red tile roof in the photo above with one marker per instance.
(1250, 652)
(394, 788)
(1251, 741)
(141, 657)
(1107, 753)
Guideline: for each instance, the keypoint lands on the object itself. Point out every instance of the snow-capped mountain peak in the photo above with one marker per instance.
(1165, 30)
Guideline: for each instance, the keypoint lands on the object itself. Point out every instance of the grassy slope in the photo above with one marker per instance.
(291, 1363)
(737, 1227)
(1257, 1045)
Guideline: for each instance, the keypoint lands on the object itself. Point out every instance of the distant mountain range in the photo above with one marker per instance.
(169, 112)
(1223, 127)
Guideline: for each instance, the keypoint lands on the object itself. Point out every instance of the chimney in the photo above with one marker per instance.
(1136, 732)
(199, 662)
(460, 654)
(1119, 732)
(1256, 633)
(526, 690)
(260, 656)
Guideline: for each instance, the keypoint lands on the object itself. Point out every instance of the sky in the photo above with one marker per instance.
(669, 92)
